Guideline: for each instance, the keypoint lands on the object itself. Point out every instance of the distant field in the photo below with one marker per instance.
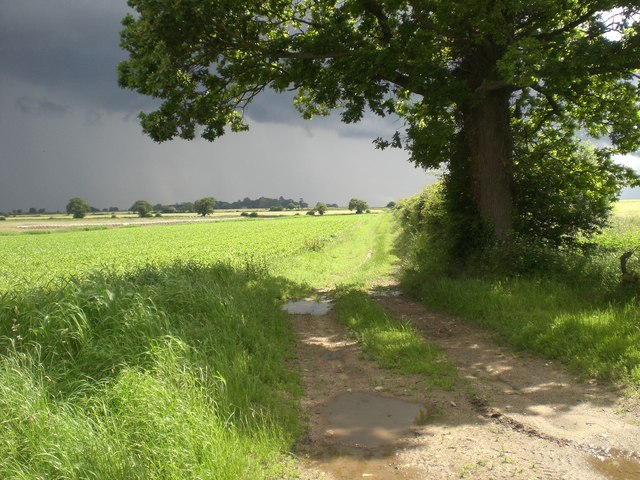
(624, 232)
(36, 259)
(58, 221)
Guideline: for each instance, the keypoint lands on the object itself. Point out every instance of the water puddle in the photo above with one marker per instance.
(307, 307)
(365, 420)
(388, 292)
(363, 430)
(617, 467)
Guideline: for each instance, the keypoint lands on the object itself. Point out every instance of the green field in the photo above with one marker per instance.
(31, 260)
(163, 352)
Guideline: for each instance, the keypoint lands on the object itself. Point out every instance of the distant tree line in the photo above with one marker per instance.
(78, 208)
(204, 206)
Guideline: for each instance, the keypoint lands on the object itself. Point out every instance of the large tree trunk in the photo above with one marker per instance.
(487, 126)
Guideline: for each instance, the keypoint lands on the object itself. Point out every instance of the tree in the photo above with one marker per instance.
(360, 206)
(321, 208)
(78, 207)
(204, 206)
(142, 208)
(472, 80)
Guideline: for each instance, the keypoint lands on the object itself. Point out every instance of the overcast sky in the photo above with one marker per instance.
(67, 130)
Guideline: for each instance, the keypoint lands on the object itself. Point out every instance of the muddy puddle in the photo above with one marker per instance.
(307, 307)
(362, 433)
(617, 467)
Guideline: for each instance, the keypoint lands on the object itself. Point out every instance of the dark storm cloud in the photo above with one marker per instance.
(272, 107)
(41, 106)
(69, 47)
(67, 129)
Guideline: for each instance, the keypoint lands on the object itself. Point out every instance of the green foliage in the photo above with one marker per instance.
(321, 208)
(204, 206)
(178, 372)
(565, 190)
(448, 69)
(142, 208)
(311, 212)
(360, 206)
(564, 194)
(78, 207)
(2, 218)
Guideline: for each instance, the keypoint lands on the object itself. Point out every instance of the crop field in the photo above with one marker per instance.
(624, 232)
(163, 352)
(37, 259)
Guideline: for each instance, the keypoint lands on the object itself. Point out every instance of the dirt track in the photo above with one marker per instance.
(513, 416)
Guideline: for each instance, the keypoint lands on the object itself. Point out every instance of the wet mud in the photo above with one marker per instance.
(513, 416)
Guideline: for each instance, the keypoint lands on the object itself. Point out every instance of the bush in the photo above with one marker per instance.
(2, 218)
(253, 214)
(358, 205)
(565, 191)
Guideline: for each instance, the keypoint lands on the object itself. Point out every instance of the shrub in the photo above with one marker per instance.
(358, 205)
(253, 214)
(2, 218)
(78, 207)
(142, 208)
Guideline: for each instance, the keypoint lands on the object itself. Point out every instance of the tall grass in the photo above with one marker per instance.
(573, 307)
(179, 372)
(174, 361)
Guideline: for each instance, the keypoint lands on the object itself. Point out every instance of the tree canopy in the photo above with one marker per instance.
(78, 207)
(475, 81)
(204, 206)
(360, 206)
(142, 207)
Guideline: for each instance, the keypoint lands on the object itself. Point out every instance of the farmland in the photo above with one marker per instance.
(163, 352)
(38, 259)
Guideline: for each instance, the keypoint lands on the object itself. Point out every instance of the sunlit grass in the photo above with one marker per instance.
(173, 372)
(357, 256)
(393, 344)
(586, 316)
(164, 353)
(28, 260)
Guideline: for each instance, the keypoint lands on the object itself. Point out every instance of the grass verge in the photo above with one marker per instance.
(173, 372)
(593, 337)
(393, 344)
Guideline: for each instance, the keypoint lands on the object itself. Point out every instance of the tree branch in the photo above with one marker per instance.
(374, 8)
(565, 28)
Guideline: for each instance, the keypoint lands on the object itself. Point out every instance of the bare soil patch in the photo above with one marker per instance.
(512, 415)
